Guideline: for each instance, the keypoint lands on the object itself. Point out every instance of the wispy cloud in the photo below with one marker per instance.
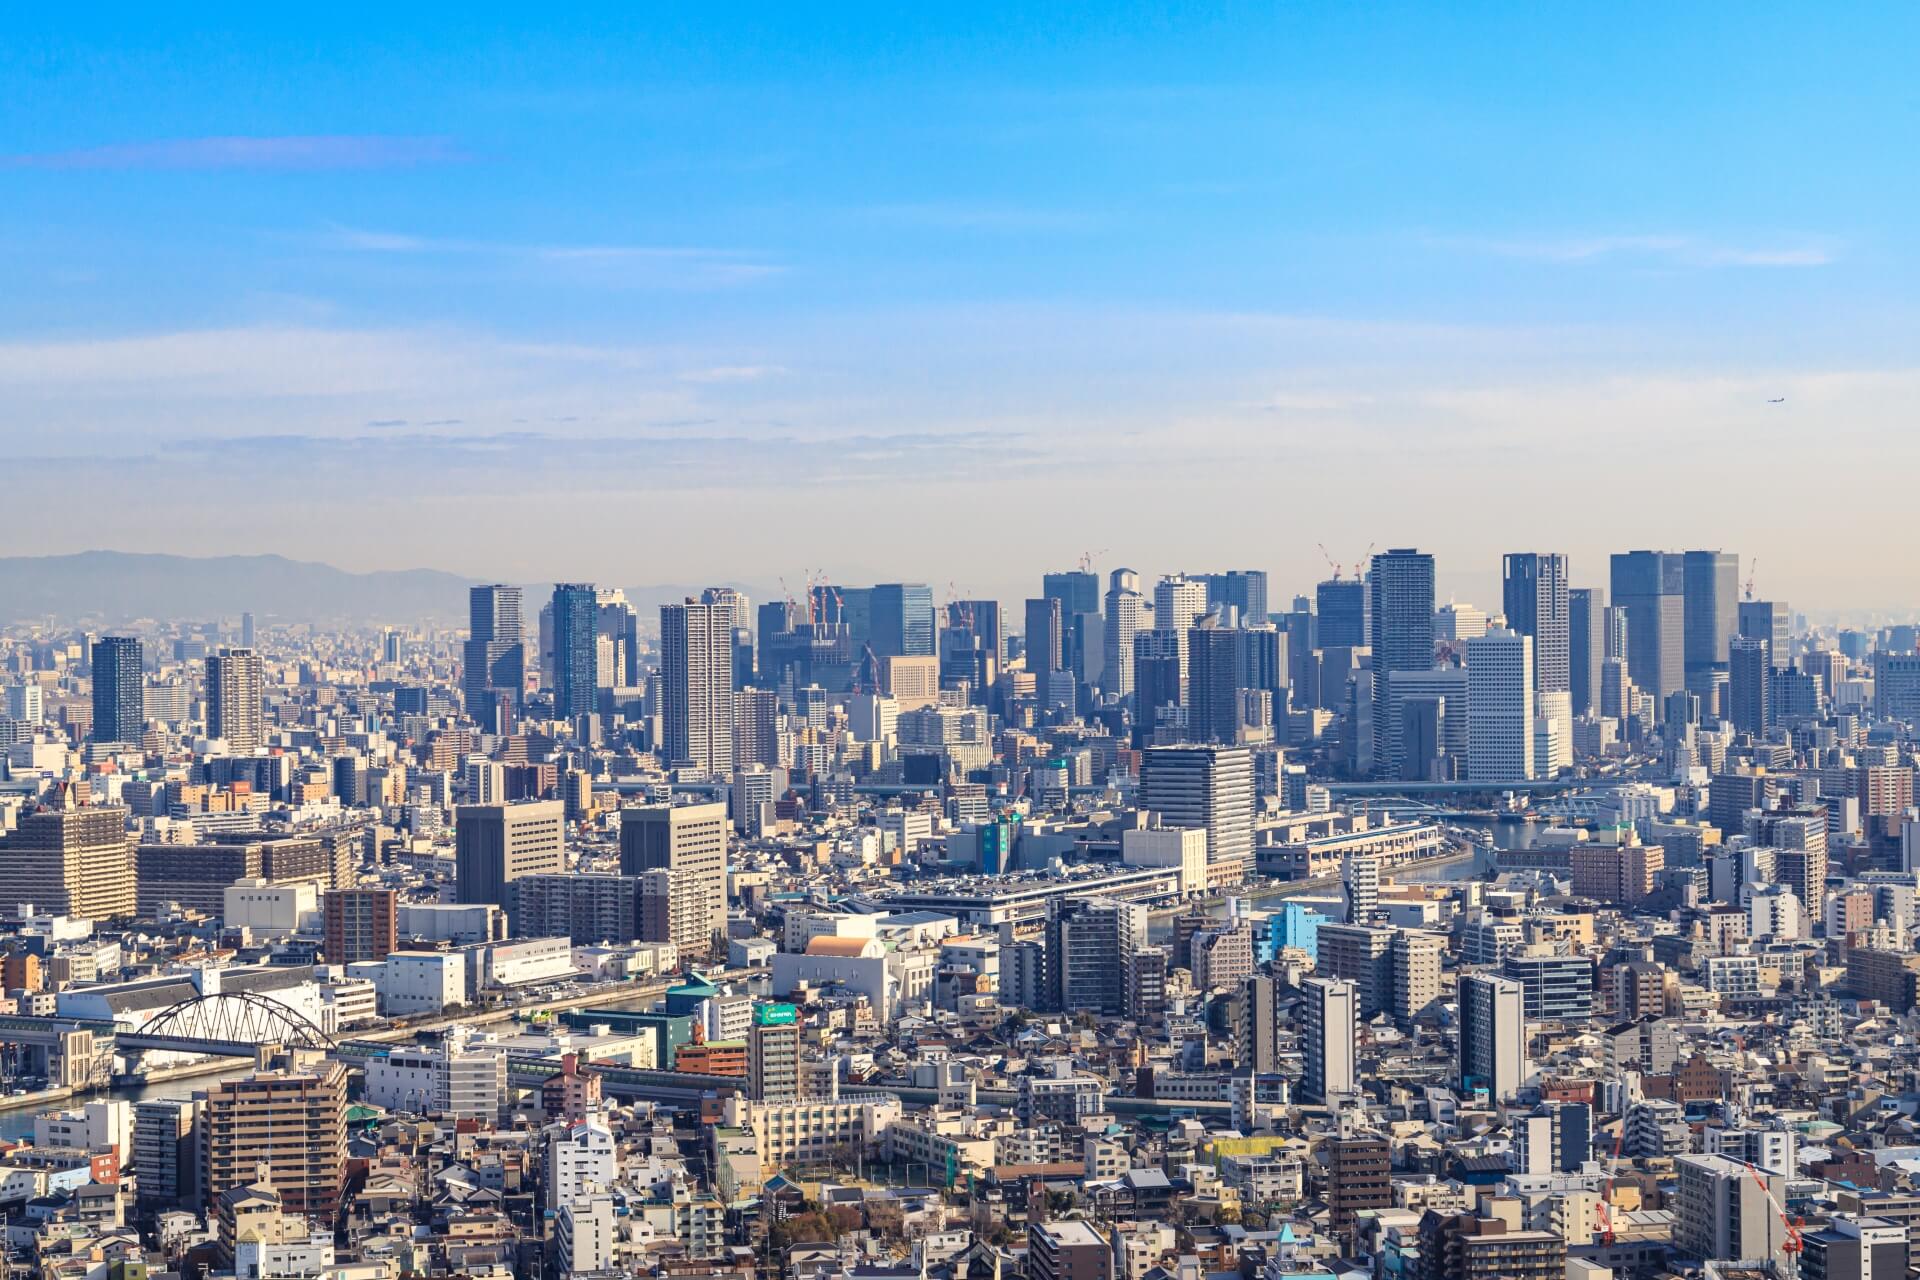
(733, 373)
(961, 216)
(683, 265)
(295, 152)
(1664, 250)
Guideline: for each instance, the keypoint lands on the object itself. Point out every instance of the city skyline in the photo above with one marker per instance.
(662, 271)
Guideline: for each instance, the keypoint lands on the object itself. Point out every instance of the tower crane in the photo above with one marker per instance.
(1606, 1192)
(1753, 567)
(1331, 562)
(1794, 1242)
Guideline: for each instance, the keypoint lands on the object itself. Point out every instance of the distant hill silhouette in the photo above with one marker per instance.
(119, 586)
(111, 587)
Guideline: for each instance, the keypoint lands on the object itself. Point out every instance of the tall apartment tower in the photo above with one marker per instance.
(1710, 583)
(1330, 1024)
(360, 924)
(1046, 636)
(496, 649)
(74, 862)
(1538, 606)
(1749, 684)
(1204, 786)
(1500, 707)
(1126, 615)
(1214, 684)
(1401, 592)
(1650, 588)
(119, 698)
(166, 1151)
(773, 1054)
(1493, 1035)
(686, 838)
(696, 670)
(576, 632)
(236, 685)
(496, 844)
(292, 1125)
(1586, 647)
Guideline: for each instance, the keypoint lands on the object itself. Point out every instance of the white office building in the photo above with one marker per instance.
(1500, 707)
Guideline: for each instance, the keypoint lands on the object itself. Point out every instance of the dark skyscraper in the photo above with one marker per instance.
(1749, 677)
(1711, 585)
(1213, 685)
(1244, 589)
(1077, 591)
(1536, 603)
(1650, 587)
(119, 701)
(1342, 605)
(576, 611)
(1045, 636)
(1768, 620)
(1402, 637)
(496, 651)
(1586, 646)
(903, 620)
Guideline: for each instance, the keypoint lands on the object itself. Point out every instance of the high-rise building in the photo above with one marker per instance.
(1359, 1177)
(1362, 954)
(576, 650)
(1649, 587)
(1500, 707)
(1341, 604)
(1178, 602)
(284, 1128)
(1329, 1028)
(1586, 647)
(1215, 709)
(1244, 590)
(1045, 636)
(1077, 590)
(687, 838)
(166, 1151)
(1493, 1035)
(1466, 1247)
(1091, 943)
(1126, 615)
(1538, 606)
(119, 700)
(1710, 582)
(1727, 1209)
(696, 670)
(903, 620)
(496, 650)
(72, 862)
(1067, 1250)
(773, 1054)
(496, 844)
(1401, 592)
(1211, 787)
(1158, 679)
(236, 687)
(1851, 1247)
(1749, 684)
(1771, 621)
(360, 924)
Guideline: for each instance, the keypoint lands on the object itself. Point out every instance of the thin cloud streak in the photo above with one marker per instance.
(1667, 250)
(661, 264)
(288, 152)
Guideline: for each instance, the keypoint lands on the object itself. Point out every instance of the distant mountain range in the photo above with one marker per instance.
(111, 587)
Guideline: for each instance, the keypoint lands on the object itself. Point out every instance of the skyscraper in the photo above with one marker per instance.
(576, 613)
(903, 620)
(236, 685)
(1045, 636)
(696, 680)
(1244, 589)
(496, 650)
(1649, 586)
(1537, 606)
(687, 838)
(1213, 685)
(119, 698)
(1401, 589)
(1586, 646)
(1126, 615)
(1157, 679)
(496, 844)
(1178, 602)
(1330, 1024)
(1211, 787)
(1500, 707)
(1342, 607)
(1493, 1035)
(1710, 582)
(1077, 590)
(1769, 620)
(359, 924)
(1749, 682)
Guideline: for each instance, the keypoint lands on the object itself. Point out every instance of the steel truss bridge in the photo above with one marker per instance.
(228, 1024)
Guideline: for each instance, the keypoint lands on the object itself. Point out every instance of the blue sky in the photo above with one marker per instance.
(959, 292)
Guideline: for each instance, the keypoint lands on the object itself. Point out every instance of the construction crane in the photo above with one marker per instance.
(1087, 557)
(1361, 564)
(1794, 1242)
(1331, 562)
(1753, 567)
